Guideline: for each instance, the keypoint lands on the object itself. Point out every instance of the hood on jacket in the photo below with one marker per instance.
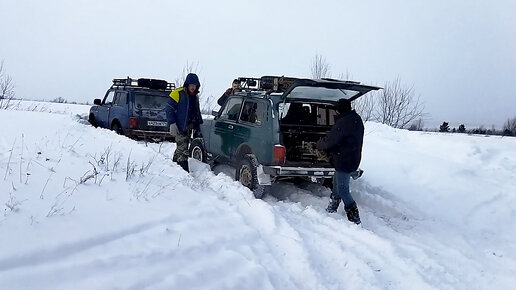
(192, 78)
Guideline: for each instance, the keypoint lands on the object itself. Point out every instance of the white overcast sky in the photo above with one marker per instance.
(459, 55)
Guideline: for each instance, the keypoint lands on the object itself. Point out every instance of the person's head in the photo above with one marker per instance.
(192, 84)
(191, 89)
(235, 85)
(343, 106)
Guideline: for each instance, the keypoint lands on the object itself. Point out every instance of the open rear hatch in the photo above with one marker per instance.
(307, 114)
(326, 90)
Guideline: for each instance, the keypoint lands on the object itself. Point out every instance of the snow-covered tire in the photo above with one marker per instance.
(197, 150)
(117, 128)
(246, 173)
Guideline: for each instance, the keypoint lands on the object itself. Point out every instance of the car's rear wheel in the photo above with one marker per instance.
(117, 128)
(247, 174)
(197, 151)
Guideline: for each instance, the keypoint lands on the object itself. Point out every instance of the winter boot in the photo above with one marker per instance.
(356, 174)
(333, 205)
(184, 165)
(353, 215)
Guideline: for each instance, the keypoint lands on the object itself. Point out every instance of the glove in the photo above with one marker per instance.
(319, 145)
(173, 130)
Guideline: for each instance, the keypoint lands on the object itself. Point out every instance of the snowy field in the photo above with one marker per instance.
(84, 208)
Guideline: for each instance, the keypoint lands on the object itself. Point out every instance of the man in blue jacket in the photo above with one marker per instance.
(184, 116)
(344, 143)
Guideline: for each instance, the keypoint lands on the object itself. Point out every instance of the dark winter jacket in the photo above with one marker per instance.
(344, 142)
(183, 109)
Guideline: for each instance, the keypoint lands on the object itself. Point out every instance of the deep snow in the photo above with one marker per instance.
(85, 208)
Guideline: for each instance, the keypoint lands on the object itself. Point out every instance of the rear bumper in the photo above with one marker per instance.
(322, 172)
(149, 134)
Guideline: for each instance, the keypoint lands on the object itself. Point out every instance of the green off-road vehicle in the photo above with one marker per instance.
(269, 130)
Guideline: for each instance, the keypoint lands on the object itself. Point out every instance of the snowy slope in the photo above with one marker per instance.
(49, 107)
(87, 209)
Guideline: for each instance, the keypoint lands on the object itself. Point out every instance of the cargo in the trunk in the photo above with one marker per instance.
(302, 125)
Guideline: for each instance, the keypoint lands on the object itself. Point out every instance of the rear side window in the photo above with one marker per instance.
(232, 109)
(149, 101)
(120, 99)
(253, 112)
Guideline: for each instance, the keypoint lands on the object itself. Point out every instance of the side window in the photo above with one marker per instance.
(120, 99)
(253, 112)
(321, 116)
(232, 109)
(333, 114)
(109, 98)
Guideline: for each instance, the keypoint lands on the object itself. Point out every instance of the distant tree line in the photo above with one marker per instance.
(509, 129)
(398, 105)
(62, 100)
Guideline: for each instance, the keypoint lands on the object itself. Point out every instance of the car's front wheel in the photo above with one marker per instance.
(92, 121)
(197, 151)
(247, 174)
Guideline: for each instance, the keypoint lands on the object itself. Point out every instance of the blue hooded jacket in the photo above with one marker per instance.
(179, 104)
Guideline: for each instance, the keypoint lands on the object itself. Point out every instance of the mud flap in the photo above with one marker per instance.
(263, 179)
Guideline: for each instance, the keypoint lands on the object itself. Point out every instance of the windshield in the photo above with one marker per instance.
(148, 101)
(320, 93)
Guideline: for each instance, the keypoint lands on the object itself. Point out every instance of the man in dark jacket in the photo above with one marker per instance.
(344, 143)
(184, 116)
(235, 87)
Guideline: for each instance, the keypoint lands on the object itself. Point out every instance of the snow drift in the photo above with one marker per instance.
(85, 208)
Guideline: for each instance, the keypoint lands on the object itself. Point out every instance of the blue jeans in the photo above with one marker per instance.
(341, 188)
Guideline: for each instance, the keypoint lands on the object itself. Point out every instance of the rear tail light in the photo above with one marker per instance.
(279, 153)
(133, 123)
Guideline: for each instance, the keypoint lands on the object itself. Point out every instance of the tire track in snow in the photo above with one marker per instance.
(298, 228)
(369, 258)
(391, 220)
(165, 260)
(278, 247)
(46, 255)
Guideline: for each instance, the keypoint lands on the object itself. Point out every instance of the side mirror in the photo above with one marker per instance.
(214, 113)
(251, 83)
(97, 102)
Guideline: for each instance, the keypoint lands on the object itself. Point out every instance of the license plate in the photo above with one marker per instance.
(157, 123)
